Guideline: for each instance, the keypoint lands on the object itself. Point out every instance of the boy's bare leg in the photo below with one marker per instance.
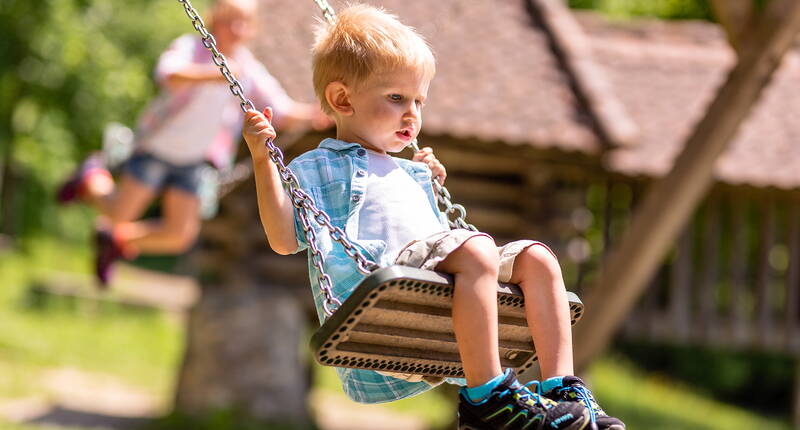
(173, 233)
(475, 267)
(538, 273)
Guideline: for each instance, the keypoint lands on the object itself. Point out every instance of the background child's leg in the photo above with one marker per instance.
(475, 267)
(125, 203)
(174, 232)
(538, 273)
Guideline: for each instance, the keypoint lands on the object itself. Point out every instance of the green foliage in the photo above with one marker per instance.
(666, 9)
(757, 380)
(647, 400)
(68, 67)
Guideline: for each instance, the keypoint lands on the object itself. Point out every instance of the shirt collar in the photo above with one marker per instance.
(337, 145)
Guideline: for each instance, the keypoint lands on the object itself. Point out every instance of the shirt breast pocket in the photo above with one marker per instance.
(334, 199)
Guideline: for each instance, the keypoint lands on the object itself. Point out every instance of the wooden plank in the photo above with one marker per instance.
(673, 199)
(707, 317)
(468, 188)
(764, 309)
(738, 311)
(792, 315)
(680, 287)
(612, 119)
(458, 160)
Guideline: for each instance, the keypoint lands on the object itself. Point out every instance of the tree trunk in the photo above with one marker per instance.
(243, 355)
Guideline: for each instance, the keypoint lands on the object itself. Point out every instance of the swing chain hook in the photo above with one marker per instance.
(300, 199)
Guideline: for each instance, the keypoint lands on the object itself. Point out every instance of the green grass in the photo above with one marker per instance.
(654, 402)
(143, 349)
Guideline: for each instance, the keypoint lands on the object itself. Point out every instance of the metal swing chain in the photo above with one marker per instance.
(300, 199)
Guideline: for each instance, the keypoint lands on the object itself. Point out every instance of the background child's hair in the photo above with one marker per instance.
(364, 40)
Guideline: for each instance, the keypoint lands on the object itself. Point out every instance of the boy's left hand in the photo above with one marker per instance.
(425, 155)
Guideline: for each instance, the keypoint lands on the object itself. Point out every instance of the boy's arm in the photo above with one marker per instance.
(274, 206)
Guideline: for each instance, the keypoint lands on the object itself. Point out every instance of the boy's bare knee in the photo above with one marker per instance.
(541, 261)
(479, 254)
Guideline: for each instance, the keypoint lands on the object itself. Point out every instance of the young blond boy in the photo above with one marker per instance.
(371, 74)
(193, 121)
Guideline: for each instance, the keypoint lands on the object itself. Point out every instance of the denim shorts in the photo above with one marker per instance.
(159, 174)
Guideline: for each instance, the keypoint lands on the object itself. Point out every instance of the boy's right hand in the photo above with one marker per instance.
(257, 129)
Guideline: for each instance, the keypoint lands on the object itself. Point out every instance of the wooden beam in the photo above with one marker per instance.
(672, 199)
(736, 17)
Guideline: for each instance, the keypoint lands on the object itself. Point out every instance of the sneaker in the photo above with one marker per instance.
(107, 252)
(513, 407)
(72, 189)
(571, 389)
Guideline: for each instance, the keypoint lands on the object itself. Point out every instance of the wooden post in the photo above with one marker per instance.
(738, 312)
(793, 280)
(764, 308)
(673, 199)
(708, 285)
(680, 287)
(796, 405)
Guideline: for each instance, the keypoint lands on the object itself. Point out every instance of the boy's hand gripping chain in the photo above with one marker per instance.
(300, 199)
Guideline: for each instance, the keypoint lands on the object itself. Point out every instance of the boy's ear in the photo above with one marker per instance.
(337, 95)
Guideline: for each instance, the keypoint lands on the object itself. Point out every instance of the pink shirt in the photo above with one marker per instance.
(203, 121)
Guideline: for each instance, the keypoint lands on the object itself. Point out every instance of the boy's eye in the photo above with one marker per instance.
(395, 97)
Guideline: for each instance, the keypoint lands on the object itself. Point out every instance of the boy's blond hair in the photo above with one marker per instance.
(364, 40)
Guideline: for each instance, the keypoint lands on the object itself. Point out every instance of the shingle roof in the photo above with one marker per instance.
(666, 73)
(497, 78)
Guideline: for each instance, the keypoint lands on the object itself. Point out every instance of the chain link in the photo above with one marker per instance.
(443, 198)
(219, 60)
(327, 11)
(300, 199)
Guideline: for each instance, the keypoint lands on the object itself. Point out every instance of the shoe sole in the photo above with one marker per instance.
(584, 424)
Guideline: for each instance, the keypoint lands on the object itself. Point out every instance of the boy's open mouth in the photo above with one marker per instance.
(404, 134)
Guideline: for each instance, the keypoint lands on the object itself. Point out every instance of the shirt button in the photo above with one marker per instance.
(356, 198)
(361, 152)
(360, 173)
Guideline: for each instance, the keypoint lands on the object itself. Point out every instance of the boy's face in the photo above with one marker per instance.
(386, 110)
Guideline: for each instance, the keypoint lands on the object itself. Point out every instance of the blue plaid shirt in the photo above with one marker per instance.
(335, 176)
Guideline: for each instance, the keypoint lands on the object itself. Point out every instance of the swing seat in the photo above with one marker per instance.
(399, 320)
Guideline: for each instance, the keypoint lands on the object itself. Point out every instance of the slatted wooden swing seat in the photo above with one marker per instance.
(398, 319)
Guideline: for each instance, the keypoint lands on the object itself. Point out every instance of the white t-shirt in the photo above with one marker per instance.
(395, 209)
(202, 122)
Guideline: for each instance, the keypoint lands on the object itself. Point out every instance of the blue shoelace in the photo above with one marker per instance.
(584, 396)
